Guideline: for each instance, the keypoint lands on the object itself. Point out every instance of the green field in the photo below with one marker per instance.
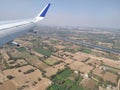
(51, 61)
(62, 81)
(21, 49)
(86, 51)
(43, 51)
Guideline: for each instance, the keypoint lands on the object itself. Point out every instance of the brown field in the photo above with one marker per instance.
(2, 78)
(68, 61)
(31, 81)
(80, 56)
(106, 61)
(9, 85)
(98, 72)
(28, 79)
(43, 84)
(112, 63)
(77, 65)
(94, 62)
(88, 84)
(59, 47)
(50, 71)
(32, 59)
(5, 55)
(107, 76)
(53, 70)
(110, 77)
(85, 69)
(15, 71)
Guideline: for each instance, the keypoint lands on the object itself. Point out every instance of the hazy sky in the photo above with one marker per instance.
(93, 13)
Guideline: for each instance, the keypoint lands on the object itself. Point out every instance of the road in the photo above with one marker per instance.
(106, 49)
(91, 45)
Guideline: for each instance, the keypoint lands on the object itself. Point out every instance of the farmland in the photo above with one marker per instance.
(43, 51)
(62, 81)
(51, 61)
(21, 49)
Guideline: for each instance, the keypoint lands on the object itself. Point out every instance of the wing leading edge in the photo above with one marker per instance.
(9, 31)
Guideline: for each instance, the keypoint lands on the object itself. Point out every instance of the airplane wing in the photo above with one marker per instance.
(9, 31)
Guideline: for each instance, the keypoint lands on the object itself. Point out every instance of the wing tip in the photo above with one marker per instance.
(43, 13)
(44, 10)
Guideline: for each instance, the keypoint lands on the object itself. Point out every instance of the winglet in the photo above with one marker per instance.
(42, 14)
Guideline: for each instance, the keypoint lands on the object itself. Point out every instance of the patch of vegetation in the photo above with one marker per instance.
(39, 79)
(63, 74)
(21, 49)
(86, 50)
(51, 61)
(29, 71)
(43, 51)
(54, 42)
(10, 77)
(62, 81)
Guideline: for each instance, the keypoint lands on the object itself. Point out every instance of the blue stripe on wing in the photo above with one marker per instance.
(45, 11)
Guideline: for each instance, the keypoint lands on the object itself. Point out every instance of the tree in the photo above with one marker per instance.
(10, 77)
(39, 79)
(19, 70)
